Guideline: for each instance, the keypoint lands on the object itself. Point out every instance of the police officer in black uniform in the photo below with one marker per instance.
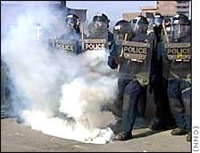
(72, 35)
(178, 51)
(132, 63)
(158, 84)
(121, 28)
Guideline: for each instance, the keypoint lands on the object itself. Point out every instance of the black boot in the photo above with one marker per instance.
(162, 125)
(178, 131)
(189, 137)
(123, 136)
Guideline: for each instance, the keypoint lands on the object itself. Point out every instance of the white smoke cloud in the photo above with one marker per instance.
(61, 94)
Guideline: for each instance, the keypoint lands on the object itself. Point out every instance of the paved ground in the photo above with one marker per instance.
(18, 137)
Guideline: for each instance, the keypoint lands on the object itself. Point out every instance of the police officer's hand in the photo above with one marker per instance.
(118, 60)
(112, 63)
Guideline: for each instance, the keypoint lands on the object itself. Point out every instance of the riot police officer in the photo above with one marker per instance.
(158, 84)
(99, 41)
(71, 39)
(99, 28)
(73, 20)
(178, 51)
(131, 54)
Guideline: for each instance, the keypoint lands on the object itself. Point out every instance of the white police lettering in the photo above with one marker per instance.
(66, 47)
(135, 50)
(135, 53)
(94, 46)
(178, 51)
(179, 54)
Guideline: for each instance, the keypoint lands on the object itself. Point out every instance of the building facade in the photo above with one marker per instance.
(129, 16)
(169, 8)
(166, 8)
(146, 10)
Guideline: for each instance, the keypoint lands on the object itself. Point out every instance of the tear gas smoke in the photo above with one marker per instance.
(60, 94)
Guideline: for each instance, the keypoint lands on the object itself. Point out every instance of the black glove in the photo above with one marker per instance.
(112, 63)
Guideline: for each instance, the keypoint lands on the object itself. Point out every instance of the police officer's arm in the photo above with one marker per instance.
(110, 40)
(79, 47)
(113, 56)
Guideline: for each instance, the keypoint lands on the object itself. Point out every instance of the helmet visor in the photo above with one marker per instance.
(97, 26)
(180, 30)
(71, 22)
(119, 37)
(100, 19)
(139, 26)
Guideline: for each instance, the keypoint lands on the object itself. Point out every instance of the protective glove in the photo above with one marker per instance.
(112, 63)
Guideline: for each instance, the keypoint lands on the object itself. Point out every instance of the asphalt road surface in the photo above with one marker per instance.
(20, 138)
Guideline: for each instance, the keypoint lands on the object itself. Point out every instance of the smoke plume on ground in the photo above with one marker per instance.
(58, 93)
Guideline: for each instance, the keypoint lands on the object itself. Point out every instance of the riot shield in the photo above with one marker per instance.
(97, 38)
(65, 45)
(178, 56)
(178, 52)
(94, 44)
(135, 51)
(137, 57)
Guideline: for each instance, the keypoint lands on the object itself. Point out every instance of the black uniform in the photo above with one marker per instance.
(178, 51)
(134, 68)
(158, 83)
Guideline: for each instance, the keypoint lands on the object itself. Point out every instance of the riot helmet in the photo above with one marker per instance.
(139, 24)
(180, 26)
(122, 31)
(73, 20)
(98, 27)
(101, 17)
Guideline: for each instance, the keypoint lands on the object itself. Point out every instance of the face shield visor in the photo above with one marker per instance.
(100, 19)
(72, 22)
(179, 30)
(97, 28)
(139, 26)
(121, 35)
